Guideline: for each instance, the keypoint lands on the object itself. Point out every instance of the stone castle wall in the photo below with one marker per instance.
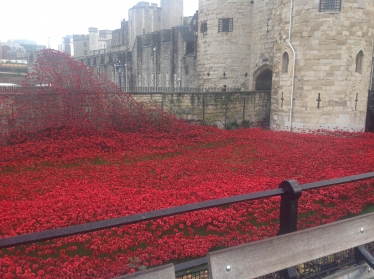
(241, 53)
(223, 57)
(162, 55)
(175, 61)
(326, 46)
(214, 108)
(262, 39)
(328, 91)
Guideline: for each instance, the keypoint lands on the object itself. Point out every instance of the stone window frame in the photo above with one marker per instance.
(225, 25)
(359, 62)
(336, 6)
(285, 62)
(203, 27)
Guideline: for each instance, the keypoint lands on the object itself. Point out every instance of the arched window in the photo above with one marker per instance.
(285, 62)
(359, 62)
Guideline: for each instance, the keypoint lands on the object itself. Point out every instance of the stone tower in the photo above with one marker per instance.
(172, 13)
(224, 43)
(322, 64)
(144, 18)
(93, 34)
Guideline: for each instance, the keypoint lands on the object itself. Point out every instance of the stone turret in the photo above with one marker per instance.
(93, 34)
(172, 13)
(144, 18)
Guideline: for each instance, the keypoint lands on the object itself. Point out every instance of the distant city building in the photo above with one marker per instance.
(13, 51)
(143, 18)
(24, 41)
(67, 45)
(32, 47)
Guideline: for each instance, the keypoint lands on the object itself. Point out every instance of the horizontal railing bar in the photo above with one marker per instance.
(132, 219)
(167, 212)
(336, 181)
(83, 92)
(191, 264)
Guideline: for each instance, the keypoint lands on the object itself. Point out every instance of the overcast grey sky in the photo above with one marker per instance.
(38, 20)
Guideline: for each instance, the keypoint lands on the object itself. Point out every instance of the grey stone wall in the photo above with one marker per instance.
(163, 56)
(214, 108)
(105, 65)
(222, 109)
(224, 57)
(262, 39)
(326, 46)
(120, 37)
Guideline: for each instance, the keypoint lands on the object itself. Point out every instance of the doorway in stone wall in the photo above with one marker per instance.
(370, 113)
(369, 127)
(263, 79)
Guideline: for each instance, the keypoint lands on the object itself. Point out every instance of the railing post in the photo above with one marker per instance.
(288, 206)
(203, 109)
(363, 255)
(288, 216)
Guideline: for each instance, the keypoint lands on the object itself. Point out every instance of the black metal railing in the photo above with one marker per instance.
(289, 191)
(164, 89)
(48, 88)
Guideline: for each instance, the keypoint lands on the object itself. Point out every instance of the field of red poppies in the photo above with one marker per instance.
(66, 180)
(79, 150)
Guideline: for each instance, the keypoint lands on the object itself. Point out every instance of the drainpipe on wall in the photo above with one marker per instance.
(372, 69)
(293, 66)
